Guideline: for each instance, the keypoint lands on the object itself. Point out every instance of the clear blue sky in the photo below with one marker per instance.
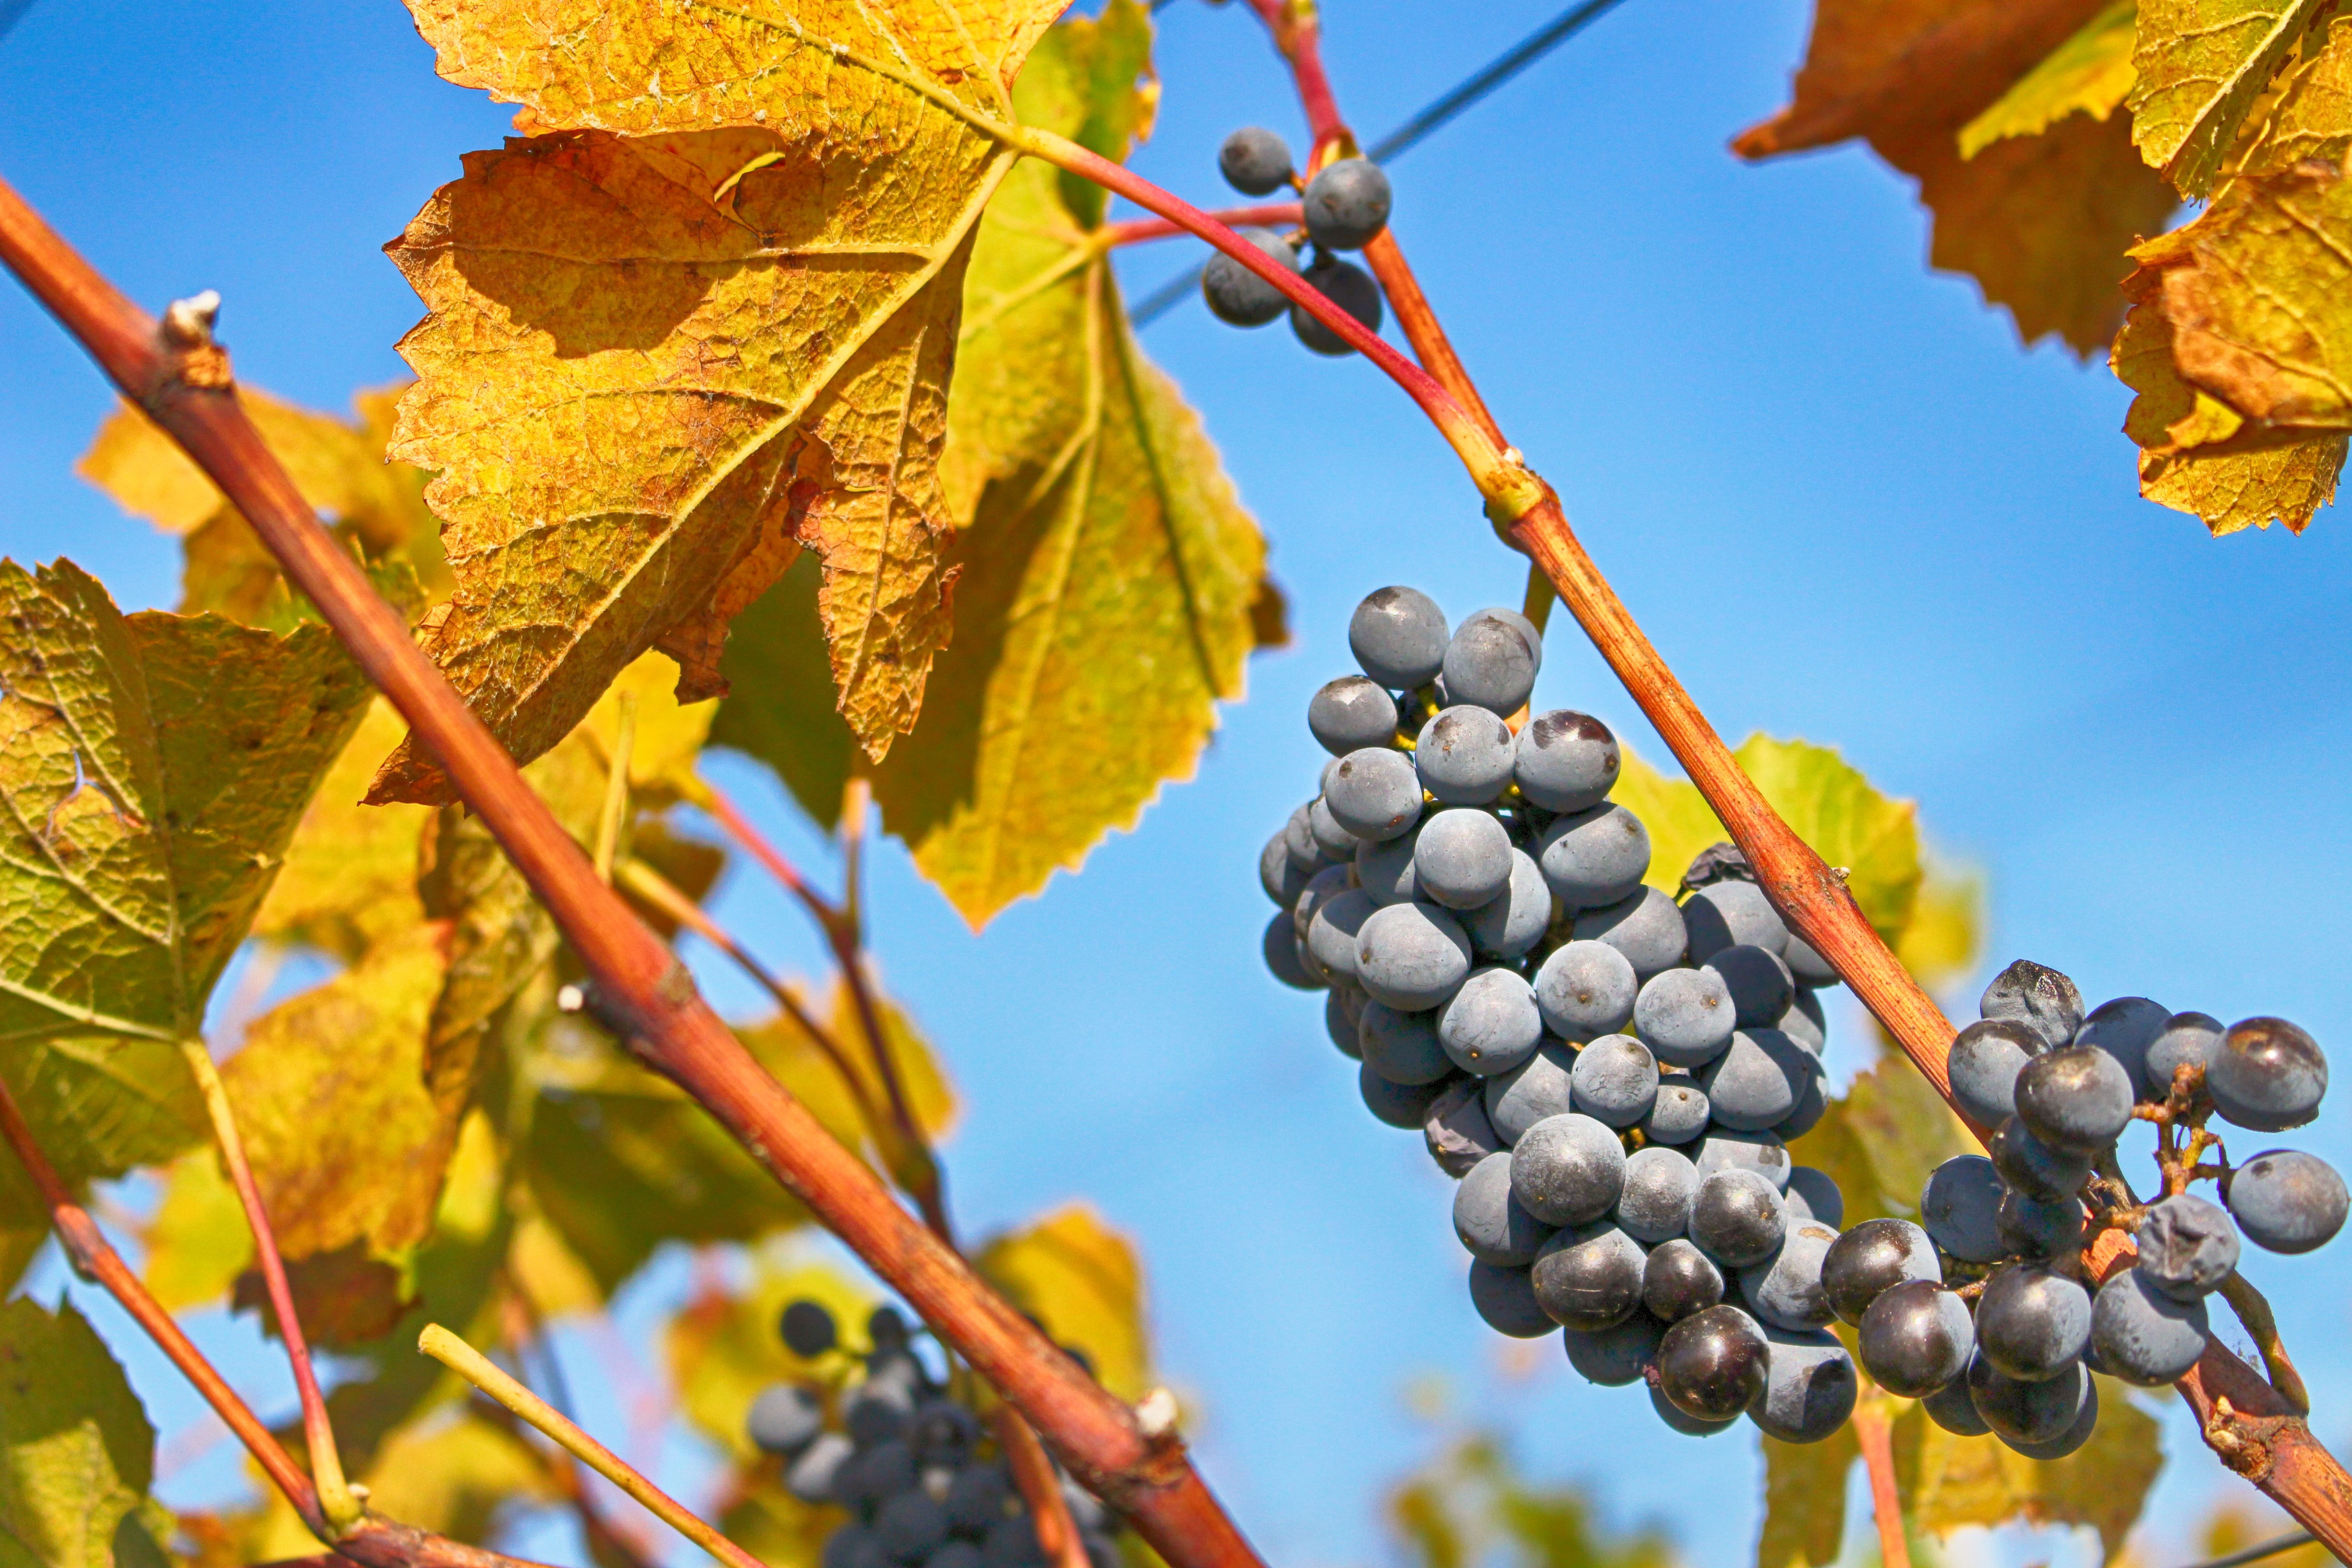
(1843, 503)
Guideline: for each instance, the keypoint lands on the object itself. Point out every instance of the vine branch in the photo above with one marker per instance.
(1874, 1434)
(639, 988)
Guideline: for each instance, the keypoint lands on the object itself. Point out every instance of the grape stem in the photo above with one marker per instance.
(1283, 215)
(2284, 1459)
(185, 387)
(1873, 1434)
(2253, 1310)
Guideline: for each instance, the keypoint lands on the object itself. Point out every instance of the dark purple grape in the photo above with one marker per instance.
(1714, 1364)
(1351, 713)
(2286, 1201)
(1760, 982)
(1351, 289)
(1737, 1218)
(1456, 1128)
(1960, 1208)
(1809, 1386)
(1255, 161)
(1687, 1424)
(1677, 1280)
(1872, 1258)
(2268, 1075)
(2187, 1245)
(785, 1418)
(2077, 1433)
(1759, 1081)
(1280, 948)
(2032, 1322)
(1615, 1357)
(1813, 1194)
(1347, 203)
(1398, 635)
(808, 1328)
(2143, 1335)
(1505, 1299)
(1986, 1058)
(1645, 927)
(1730, 913)
(2034, 1228)
(1784, 1291)
(1656, 1202)
(2018, 1412)
(1397, 1104)
(1567, 761)
(2189, 1039)
(1953, 1409)
(1493, 1225)
(1589, 1279)
(2077, 1100)
(1568, 1170)
(2032, 1166)
(1916, 1338)
(2040, 997)
(2124, 1028)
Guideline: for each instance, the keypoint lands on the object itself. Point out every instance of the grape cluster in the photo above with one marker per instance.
(910, 1462)
(1609, 1074)
(1345, 207)
(2057, 1087)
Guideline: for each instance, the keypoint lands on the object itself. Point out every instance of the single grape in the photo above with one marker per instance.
(1615, 1357)
(2124, 1028)
(1960, 1208)
(1916, 1338)
(2033, 1321)
(1239, 297)
(1805, 1022)
(808, 1328)
(1398, 635)
(1586, 989)
(1492, 1223)
(1255, 161)
(1732, 913)
(1463, 858)
(1351, 289)
(1567, 1170)
(1645, 927)
(1343, 1012)
(1374, 794)
(1411, 956)
(1686, 1016)
(813, 1477)
(1298, 839)
(2018, 1411)
(1512, 925)
(1809, 1386)
(1281, 949)
(1282, 880)
(1347, 203)
(976, 1497)
(1871, 1259)
(1463, 755)
(1595, 856)
(1736, 1218)
(883, 1471)
(1723, 1149)
(1785, 1290)
(2032, 1166)
(1952, 1408)
(1505, 1299)
(2038, 1227)
(1677, 1420)
(910, 1526)
(1712, 1364)
(785, 1418)
(2187, 1245)
(852, 1546)
(2077, 1100)
(1759, 982)
(1489, 664)
(2285, 1200)
(1491, 1025)
(1758, 1081)
(2040, 998)
(1809, 966)
(1457, 1129)
(1333, 842)
(1654, 1203)
(2144, 1334)
(1332, 934)
(1517, 623)
(1986, 1058)
(2077, 1433)
(1565, 760)
(1401, 1046)
(1681, 1113)
(1813, 1194)
(2188, 1040)
(1535, 1088)
(1678, 1280)
(1588, 1277)
(2267, 1075)
(1384, 867)
(1614, 1081)
(1397, 1104)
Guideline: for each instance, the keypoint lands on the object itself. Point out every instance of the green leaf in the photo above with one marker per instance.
(1804, 1500)
(2090, 73)
(778, 706)
(153, 768)
(1880, 1140)
(2200, 66)
(1084, 1281)
(77, 1453)
(1945, 935)
(1948, 1482)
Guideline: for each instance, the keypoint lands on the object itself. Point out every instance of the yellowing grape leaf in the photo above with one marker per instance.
(1680, 822)
(2041, 222)
(2307, 116)
(742, 345)
(1804, 1500)
(346, 1141)
(153, 768)
(784, 1533)
(452, 1476)
(1948, 1482)
(77, 1453)
(349, 875)
(1881, 1139)
(931, 1098)
(1945, 934)
(198, 1243)
(2200, 65)
(724, 1349)
(1084, 1282)
(1109, 568)
(2090, 73)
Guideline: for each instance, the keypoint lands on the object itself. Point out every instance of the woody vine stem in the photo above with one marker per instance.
(647, 998)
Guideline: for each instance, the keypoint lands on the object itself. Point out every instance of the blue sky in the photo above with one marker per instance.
(1842, 500)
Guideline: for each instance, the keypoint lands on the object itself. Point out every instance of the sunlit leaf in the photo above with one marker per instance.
(197, 1244)
(1947, 1482)
(2090, 73)
(780, 705)
(2200, 65)
(2307, 116)
(77, 1452)
(350, 873)
(784, 1531)
(345, 1299)
(724, 1348)
(1084, 1282)
(1881, 1139)
(452, 1476)
(1804, 1500)
(1945, 935)
(1473, 1506)
(931, 1098)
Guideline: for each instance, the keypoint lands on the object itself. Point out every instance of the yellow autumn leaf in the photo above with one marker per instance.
(1880, 1139)
(1950, 1482)
(2199, 66)
(724, 1349)
(453, 1477)
(349, 875)
(1084, 1281)
(2090, 73)
(1804, 1500)
(1679, 820)
(2307, 115)
(742, 346)
(1945, 935)
(197, 1243)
